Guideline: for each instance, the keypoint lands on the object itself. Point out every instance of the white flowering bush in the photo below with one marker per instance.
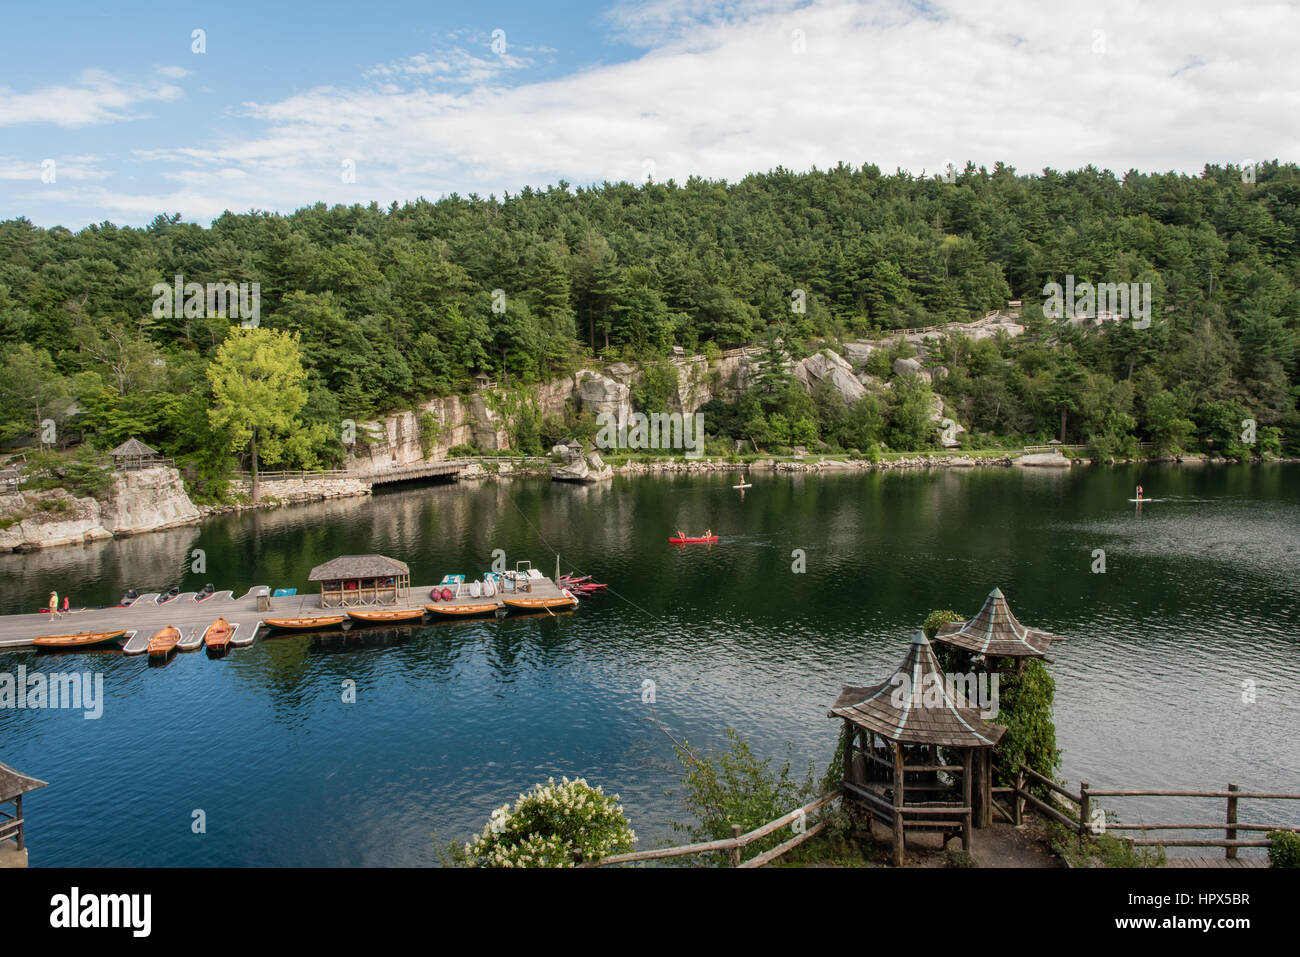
(549, 824)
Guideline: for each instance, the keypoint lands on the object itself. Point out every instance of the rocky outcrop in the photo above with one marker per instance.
(582, 468)
(826, 366)
(1050, 460)
(602, 395)
(145, 500)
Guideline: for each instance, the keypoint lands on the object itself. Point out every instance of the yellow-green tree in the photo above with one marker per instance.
(258, 388)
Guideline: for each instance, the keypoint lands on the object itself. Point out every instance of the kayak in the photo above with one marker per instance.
(690, 541)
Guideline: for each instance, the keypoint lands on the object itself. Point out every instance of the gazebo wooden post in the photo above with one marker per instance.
(966, 798)
(986, 788)
(898, 804)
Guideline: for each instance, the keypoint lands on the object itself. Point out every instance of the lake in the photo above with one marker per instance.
(1198, 600)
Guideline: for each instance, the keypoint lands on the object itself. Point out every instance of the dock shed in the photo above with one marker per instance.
(352, 580)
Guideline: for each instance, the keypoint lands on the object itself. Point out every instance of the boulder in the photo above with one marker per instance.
(587, 468)
(1051, 460)
(912, 367)
(857, 353)
(827, 366)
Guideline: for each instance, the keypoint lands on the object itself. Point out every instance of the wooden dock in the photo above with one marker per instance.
(144, 617)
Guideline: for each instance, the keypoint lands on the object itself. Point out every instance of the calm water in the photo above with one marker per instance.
(1199, 596)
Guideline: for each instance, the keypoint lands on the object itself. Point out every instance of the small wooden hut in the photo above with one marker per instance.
(995, 633)
(351, 580)
(910, 745)
(13, 785)
(134, 454)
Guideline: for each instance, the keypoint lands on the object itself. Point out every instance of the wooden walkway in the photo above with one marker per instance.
(1216, 862)
(412, 473)
(145, 617)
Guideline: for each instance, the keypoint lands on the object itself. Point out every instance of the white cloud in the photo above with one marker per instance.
(97, 98)
(64, 169)
(174, 72)
(724, 92)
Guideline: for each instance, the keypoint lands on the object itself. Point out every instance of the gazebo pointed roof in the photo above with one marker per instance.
(916, 705)
(133, 446)
(996, 632)
(14, 784)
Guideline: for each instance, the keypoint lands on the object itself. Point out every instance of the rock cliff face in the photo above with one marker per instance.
(396, 440)
(145, 500)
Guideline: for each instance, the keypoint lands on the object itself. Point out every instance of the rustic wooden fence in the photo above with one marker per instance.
(735, 844)
(1082, 822)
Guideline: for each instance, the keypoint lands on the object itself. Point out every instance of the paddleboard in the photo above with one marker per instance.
(749, 485)
(1141, 500)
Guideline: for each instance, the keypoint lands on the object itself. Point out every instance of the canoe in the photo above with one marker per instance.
(532, 604)
(465, 609)
(164, 643)
(691, 541)
(380, 616)
(303, 624)
(85, 639)
(218, 635)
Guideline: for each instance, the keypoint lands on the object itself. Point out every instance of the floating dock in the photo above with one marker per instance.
(144, 617)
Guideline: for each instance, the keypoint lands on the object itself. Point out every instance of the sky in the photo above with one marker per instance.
(121, 112)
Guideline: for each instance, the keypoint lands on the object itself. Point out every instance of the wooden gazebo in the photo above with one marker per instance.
(351, 580)
(909, 750)
(13, 785)
(134, 454)
(995, 633)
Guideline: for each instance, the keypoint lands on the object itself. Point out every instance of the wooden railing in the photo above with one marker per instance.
(1084, 825)
(735, 844)
(294, 474)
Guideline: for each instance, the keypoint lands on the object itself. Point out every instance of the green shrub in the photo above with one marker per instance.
(1025, 710)
(1285, 850)
(735, 787)
(550, 825)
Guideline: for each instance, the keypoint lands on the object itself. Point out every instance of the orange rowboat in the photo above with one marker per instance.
(164, 643)
(86, 639)
(387, 616)
(218, 635)
(532, 604)
(303, 624)
(464, 610)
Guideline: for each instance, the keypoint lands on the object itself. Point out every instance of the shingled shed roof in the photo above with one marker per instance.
(133, 446)
(953, 722)
(15, 784)
(347, 567)
(995, 631)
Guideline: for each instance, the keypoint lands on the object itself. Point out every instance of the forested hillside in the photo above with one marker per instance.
(388, 306)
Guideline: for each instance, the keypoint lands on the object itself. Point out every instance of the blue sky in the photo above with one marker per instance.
(351, 102)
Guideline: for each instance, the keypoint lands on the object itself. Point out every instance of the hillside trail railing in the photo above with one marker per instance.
(1087, 819)
(735, 844)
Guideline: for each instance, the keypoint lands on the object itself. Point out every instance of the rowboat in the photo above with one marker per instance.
(692, 541)
(463, 610)
(564, 600)
(385, 616)
(303, 624)
(218, 635)
(85, 639)
(164, 643)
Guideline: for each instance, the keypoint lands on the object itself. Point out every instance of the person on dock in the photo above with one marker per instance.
(66, 602)
(54, 604)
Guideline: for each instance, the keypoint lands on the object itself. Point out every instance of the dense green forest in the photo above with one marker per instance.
(376, 308)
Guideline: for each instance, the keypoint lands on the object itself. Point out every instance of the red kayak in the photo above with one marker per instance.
(691, 541)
